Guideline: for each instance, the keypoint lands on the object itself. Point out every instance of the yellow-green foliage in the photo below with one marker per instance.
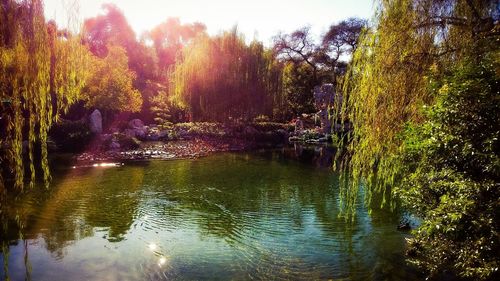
(110, 83)
(422, 94)
(222, 77)
(387, 87)
(41, 74)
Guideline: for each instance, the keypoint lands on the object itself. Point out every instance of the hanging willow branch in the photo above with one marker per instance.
(41, 75)
(386, 86)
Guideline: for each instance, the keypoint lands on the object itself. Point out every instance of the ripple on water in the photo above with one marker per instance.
(215, 218)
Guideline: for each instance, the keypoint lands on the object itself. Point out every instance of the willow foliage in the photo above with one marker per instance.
(387, 84)
(222, 77)
(422, 95)
(41, 74)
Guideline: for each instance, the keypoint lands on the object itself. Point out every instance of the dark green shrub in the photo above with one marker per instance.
(71, 136)
(126, 142)
(269, 126)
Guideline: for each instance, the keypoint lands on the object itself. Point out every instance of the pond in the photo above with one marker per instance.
(229, 216)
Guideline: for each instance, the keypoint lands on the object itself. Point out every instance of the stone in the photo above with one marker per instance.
(140, 133)
(138, 129)
(299, 126)
(114, 145)
(95, 122)
(325, 98)
(163, 134)
(324, 118)
(106, 137)
(136, 124)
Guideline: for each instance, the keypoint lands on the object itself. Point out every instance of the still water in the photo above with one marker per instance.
(228, 216)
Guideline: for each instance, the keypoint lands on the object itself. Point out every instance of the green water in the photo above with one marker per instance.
(224, 217)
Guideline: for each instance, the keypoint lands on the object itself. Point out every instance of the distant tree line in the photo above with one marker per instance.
(174, 72)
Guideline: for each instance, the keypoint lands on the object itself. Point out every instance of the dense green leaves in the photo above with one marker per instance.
(110, 83)
(424, 102)
(453, 168)
(42, 72)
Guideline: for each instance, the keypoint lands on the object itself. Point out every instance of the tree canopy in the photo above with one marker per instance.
(222, 78)
(418, 69)
(42, 72)
(110, 83)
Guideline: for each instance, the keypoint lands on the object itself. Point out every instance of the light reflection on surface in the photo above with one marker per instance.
(162, 261)
(99, 165)
(220, 217)
(152, 246)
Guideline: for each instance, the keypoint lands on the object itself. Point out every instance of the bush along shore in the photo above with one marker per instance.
(133, 140)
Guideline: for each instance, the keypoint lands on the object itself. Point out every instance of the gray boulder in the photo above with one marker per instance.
(114, 145)
(95, 122)
(137, 129)
(136, 124)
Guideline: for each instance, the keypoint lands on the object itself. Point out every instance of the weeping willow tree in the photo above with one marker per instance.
(387, 84)
(42, 70)
(221, 77)
(412, 75)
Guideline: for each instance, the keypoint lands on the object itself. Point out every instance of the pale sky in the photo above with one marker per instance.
(255, 18)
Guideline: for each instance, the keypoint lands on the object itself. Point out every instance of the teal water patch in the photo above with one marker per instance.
(230, 216)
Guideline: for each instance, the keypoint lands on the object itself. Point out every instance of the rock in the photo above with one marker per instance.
(140, 133)
(95, 122)
(312, 141)
(136, 133)
(136, 124)
(299, 126)
(326, 125)
(404, 226)
(139, 130)
(163, 133)
(323, 139)
(114, 145)
(153, 134)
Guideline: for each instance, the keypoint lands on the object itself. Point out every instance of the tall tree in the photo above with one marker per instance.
(339, 43)
(309, 64)
(113, 29)
(41, 74)
(221, 78)
(110, 86)
(298, 47)
(413, 43)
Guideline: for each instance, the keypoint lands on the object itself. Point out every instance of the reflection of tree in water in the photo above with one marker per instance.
(75, 204)
(319, 155)
(238, 198)
(249, 201)
(114, 200)
(224, 196)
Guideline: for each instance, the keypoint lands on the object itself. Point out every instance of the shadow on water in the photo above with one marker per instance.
(261, 215)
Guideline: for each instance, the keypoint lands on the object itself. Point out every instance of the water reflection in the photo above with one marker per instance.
(229, 216)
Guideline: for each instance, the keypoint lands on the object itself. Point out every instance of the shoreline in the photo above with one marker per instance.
(172, 150)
